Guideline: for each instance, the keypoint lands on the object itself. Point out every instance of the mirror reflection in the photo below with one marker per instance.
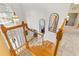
(53, 22)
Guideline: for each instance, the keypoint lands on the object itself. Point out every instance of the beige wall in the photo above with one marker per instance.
(72, 19)
(77, 20)
(74, 8)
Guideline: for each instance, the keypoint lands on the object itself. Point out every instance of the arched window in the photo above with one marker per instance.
(6, 14)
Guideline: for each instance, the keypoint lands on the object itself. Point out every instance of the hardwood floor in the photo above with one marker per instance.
(47, 49)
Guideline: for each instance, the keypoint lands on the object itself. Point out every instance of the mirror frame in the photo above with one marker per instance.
(52, 27)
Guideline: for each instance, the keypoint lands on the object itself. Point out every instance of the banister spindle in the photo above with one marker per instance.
(4, 30)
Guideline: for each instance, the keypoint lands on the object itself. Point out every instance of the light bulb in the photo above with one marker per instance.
(67, 18)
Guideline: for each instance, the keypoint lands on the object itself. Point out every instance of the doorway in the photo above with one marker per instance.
(72, 19)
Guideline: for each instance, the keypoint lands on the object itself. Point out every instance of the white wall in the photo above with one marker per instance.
(40, 10)
(32, 12)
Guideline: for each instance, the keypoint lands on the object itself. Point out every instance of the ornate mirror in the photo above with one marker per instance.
(42, 26)
(53, 22)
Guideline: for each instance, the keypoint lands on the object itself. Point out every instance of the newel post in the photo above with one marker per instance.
(4, 30)
(27, 43)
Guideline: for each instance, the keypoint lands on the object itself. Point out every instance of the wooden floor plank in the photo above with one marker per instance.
(43, 50)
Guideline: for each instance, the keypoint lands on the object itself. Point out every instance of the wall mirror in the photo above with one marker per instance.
(42, 26)
(53, 22)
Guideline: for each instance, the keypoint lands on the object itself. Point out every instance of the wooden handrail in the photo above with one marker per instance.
(59, 35)
(4, 30)
(25, 28)
(17, 26)
(27, 43)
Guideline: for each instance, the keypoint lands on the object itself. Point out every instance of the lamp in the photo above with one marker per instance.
(15, 17)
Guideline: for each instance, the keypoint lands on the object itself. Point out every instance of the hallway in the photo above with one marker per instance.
(70, 42)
